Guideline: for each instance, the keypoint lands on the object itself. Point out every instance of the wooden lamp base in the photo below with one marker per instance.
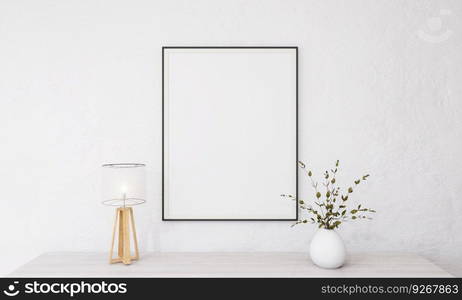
(123, 219)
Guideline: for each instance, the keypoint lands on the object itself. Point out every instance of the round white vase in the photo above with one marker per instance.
(327, 249)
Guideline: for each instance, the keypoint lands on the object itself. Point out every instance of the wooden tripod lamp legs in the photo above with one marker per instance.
(123, 219)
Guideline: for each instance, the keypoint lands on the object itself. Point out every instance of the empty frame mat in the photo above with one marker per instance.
(229, 133)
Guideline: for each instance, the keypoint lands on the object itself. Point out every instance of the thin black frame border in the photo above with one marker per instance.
(296, 127)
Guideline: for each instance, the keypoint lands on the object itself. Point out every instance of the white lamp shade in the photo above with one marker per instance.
(124, 181)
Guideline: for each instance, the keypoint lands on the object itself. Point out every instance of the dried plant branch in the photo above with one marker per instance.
(331, 211)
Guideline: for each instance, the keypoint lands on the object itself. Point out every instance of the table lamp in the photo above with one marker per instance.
(124, 187)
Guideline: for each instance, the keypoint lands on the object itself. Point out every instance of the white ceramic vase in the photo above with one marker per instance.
(327, 249)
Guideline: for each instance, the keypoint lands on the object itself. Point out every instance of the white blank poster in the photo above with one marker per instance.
(229, 133)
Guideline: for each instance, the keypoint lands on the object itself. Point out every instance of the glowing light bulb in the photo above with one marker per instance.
(123, 190)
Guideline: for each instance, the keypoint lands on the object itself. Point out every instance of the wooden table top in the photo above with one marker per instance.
(204, 264)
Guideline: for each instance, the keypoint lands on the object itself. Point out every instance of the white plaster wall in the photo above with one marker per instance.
(80, 84)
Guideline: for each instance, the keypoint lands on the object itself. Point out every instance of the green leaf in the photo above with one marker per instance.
(336, 163)
(301, 202)
(357, 181)
(328, 194)
(353, 211)
(333, 180)
(301, 164)
(350, 190)
(353, 218)
(318, 195)
(309, 173)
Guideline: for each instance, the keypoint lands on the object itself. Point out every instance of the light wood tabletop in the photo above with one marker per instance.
(179, 264)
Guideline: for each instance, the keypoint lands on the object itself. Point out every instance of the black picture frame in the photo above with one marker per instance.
(296, 129)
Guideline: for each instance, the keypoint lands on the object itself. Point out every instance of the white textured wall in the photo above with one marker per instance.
(80, 84)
